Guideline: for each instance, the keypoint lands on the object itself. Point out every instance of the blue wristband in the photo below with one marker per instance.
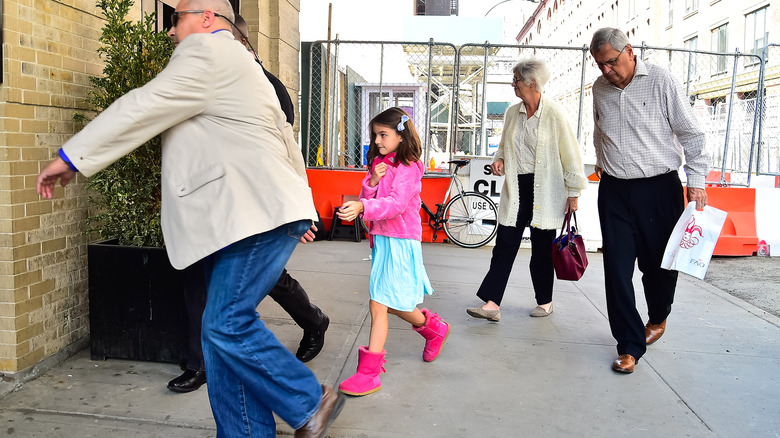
(67, 160)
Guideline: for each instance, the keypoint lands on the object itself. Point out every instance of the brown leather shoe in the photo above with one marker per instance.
(330, 407)
(653, 332)
(624, 364)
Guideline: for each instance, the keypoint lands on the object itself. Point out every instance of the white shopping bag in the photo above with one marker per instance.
(692, 242)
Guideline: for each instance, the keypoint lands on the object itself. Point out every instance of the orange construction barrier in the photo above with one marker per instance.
(738, 236)
(714, 175)
(329, 186)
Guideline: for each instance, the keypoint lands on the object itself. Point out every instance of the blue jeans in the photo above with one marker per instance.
(250, 373)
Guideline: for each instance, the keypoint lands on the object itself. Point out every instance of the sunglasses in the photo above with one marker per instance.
(175, 16)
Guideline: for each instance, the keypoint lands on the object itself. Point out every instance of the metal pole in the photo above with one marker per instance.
(427, 145)
(453, 125)
(760, 108)
(688, 82)
(308, 119)
(728, 121)
(325, 126)
(756, 115)
(335, 157)
(482, 130)
(381, 77)
(582, 91)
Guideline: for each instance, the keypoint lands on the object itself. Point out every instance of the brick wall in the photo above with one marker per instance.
(48, 55)
(49, 52)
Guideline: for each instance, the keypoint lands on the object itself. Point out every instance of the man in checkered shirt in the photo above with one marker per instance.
(644, 126)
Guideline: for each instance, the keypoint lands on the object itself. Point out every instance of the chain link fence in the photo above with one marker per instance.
(723, 89)
(768, 155)
(359, 80)
(457, 98)
(485, 91)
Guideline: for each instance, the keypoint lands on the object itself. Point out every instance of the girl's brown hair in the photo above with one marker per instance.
(409, 150)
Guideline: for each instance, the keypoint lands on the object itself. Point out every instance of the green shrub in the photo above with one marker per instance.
(126, 195)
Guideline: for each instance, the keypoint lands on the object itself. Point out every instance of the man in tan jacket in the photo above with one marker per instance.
(234, 193)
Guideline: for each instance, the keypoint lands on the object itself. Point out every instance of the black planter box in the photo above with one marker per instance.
(136, 304)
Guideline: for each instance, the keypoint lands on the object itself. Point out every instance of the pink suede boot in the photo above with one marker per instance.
(435, 332)
(366, 379)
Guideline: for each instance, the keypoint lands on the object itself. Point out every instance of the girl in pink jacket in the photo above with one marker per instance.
(390, 200)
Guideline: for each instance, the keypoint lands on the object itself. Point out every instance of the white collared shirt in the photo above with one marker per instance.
(524, 139)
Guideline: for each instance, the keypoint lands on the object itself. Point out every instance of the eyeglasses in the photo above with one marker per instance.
(610, 62)
(516, 80)
(175, 16)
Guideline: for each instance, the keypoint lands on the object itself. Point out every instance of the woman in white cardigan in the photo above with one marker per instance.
(540, 157)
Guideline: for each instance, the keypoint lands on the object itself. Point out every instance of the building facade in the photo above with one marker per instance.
(723, 26)
(49, 51)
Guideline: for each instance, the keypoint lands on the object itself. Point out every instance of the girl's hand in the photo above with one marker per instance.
(497, 167)
(351, 209)
(379, 171)
(571, 204)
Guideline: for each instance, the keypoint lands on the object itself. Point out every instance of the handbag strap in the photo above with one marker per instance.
(566, 228)
(573, 231)
(576, 228)
(567, 223)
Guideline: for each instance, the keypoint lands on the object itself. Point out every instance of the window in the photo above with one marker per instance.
(691, 44)
(691, 6)
(375, 105)
(436, 7)
(401, 99)
(756, 32)
(720, 44)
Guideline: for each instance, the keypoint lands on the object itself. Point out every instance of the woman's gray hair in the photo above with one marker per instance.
(608, 35)
(532, 69)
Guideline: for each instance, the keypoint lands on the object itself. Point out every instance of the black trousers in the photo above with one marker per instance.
(637, 217)
(508, 241)
(287, 292)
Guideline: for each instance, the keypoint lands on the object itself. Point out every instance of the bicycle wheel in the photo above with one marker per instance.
(470, 219)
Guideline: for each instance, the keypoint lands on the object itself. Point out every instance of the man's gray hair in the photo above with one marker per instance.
(221, 7)
(532, 68)
(608, 35)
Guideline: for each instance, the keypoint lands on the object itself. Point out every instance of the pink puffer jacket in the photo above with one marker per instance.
(393, 206)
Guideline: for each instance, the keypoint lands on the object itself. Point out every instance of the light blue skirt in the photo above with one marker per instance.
(398, 277)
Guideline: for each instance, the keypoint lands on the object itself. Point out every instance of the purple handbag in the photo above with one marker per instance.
(568, 251)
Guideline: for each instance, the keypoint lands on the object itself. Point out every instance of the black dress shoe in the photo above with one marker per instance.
(188, 382)
(312, 341)
(332, 402)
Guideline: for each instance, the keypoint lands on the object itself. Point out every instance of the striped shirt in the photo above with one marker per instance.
(645, 129)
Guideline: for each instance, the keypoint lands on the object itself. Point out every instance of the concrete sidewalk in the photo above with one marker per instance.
(716, 372)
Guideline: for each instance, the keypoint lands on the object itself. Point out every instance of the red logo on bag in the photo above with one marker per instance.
(689, 240)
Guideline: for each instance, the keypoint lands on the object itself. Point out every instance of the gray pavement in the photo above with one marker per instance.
(715, 373)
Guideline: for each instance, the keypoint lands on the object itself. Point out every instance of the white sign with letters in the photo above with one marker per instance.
(482, 180)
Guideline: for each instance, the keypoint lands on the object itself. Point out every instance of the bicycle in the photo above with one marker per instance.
(469, 219)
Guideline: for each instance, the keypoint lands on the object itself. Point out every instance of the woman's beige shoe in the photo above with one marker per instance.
(490, 315)
(539, 311)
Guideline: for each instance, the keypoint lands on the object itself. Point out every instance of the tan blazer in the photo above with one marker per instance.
(230, 165)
